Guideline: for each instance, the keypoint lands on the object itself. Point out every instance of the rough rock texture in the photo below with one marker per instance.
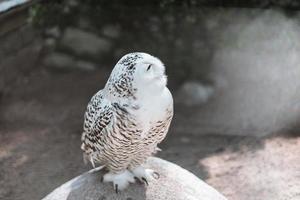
(174, 183)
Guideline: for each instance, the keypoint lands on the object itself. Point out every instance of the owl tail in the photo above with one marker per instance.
(87, 158)
(97, 169)
(156, 149)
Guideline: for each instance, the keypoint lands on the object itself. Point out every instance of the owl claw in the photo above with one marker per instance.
(141, 180)
(137, 179)
(144, 175)
(145, 181)
(120, 180)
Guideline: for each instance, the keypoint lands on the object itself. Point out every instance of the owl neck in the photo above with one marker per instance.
(116, 92)
(139, 99)
(151, 93)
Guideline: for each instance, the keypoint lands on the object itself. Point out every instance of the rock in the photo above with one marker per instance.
(174, 183)
(50, 43)
(85, 65)
(194, 93)
(111, 31)
(64, 62)
(53, 32)
(256, 96)
(66, 9)
(84, 23)
(72, 3)
(84, 43)
(59, 61)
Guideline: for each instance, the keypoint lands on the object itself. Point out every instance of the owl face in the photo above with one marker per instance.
(149, 73)
(137, 72)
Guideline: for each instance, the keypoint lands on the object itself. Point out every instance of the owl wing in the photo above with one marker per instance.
(97, 118)
(165, 125)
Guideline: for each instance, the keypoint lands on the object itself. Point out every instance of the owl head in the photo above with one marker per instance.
(137, 73)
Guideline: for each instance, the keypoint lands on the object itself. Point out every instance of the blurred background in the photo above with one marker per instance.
(233, 68)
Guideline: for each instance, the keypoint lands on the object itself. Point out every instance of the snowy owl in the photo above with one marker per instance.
(126, 120)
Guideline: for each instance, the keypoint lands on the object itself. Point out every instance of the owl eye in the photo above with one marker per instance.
(149, 67)
(130, 67)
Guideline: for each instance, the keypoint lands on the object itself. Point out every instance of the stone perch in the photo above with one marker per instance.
(175, 183)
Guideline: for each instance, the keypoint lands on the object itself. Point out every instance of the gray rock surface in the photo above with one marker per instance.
(84, 43)
(175, 183)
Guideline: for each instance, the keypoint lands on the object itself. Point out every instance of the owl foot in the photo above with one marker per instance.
(120, 180)
(144, 175)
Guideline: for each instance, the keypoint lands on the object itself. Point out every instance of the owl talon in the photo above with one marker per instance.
(137, 179)
(120, 180)
(141, 181)
(145, 181)
(144, 175)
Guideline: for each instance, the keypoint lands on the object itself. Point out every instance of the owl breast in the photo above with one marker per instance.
(153, 111)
